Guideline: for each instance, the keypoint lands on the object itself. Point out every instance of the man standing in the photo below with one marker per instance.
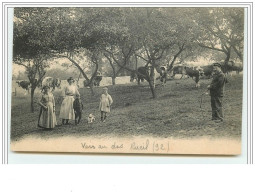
(216, 92)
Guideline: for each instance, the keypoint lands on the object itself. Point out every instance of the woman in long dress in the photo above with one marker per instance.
(66, 109)
(47, 117)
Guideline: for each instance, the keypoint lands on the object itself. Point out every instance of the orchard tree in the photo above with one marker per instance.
(221, 29)
(27, 52)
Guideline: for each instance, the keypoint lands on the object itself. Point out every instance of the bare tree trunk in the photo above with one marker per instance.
(129, 69)
(114, 74)
(181, 49)
(225, 67)
(136, 62)
(227, 58)
(113, 80)
(32, 99)
(239, 54)
(91, 89)
(152, 89)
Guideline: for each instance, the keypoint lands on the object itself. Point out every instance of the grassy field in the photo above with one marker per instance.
(174, 113)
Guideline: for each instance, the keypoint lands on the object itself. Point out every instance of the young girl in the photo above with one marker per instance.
(47, 117)
(105, 103)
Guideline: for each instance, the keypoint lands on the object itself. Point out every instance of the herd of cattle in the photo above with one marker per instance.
(49, 81)
(145, 73)
(194, 72)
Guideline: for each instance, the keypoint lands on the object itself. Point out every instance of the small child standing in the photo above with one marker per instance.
(47, 117)
(105, 103)
(78, 107)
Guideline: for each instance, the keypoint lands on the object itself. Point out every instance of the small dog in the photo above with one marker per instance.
(91, 118)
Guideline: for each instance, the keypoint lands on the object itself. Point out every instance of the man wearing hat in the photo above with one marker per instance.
(216, 92)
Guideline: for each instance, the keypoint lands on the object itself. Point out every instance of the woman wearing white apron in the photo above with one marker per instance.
(66, 110)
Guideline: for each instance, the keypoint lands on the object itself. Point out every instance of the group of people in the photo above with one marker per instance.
(71, 107)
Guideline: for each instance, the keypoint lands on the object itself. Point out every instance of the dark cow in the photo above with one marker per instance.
(133, 76)
(147, 73)
(238, 69)
(179, 70)
(226, 68)
(207, 70)
(96, 80)
(24, 85)
(194, 73)
(230, 67)
(51, 82)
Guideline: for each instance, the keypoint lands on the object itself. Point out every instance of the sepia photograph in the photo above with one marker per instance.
(128, 80)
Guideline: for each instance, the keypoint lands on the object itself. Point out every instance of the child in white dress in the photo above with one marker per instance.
(105, 104)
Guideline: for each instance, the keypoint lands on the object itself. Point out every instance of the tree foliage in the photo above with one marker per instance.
(221, 29)
(122, 36)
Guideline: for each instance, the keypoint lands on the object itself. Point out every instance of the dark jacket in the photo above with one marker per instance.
(217, 85)
(77, 105)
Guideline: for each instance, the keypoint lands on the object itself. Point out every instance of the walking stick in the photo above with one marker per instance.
(201, 101)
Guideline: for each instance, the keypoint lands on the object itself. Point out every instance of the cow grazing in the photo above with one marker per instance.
(24, 85)
(226, 68)
(230, 67)
(207, 70)
(179, 70)
(96, 80)
(238, 69)
(147, 73)
(133, 76)
(51, 82)
(194, 73)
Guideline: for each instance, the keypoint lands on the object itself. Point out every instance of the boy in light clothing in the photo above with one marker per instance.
(105, 104)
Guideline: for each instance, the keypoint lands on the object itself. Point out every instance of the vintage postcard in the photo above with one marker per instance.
(152, 80)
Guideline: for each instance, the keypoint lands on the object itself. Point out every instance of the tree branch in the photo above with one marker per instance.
(239, 54)
(76, 64)
(213, 48)
(142, 57)
(19, 63)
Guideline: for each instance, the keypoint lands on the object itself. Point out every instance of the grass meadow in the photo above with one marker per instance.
(174, 113)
